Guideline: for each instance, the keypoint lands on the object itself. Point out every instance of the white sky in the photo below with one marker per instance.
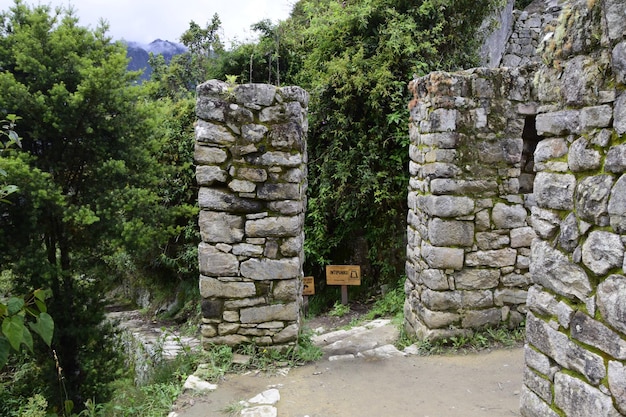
(146, 20)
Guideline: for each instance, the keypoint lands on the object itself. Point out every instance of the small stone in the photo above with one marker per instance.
(555, 191)
(271, 269)
(577, 398)
(216, 263)
(213, 134)
(442, 258)
(260, 411)
(268, 397)
(616, 159)
(617, 384)
(345, 357)
(522, 237)
(553, 270)
(592, 198)
(286, 226)
(581, 158)
(611, 298)
(450, 233)
(274, 312)
(208, 175)
(220, 227)
(617, 206)
(619, 122)
(558, 123)
(195, 384)
(209, 155)
(446, 206)
(382, 352)
(492, 258)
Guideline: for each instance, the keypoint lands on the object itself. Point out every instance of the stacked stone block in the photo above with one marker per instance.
(576, 326)
(531, 26)
(468, 252)
(251, 168)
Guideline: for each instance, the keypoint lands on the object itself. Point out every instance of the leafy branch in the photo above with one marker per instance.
(21, 316)
(7, 130)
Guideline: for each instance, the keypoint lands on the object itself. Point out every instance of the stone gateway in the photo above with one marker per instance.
(517, 205)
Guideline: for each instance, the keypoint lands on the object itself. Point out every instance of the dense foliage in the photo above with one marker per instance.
(104, 184)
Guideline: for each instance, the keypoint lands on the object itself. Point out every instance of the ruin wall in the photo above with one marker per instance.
(468, 253)
(251, 168)
(576, 326)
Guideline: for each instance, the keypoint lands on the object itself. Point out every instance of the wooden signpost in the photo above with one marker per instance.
(308, 288)
(343, 275)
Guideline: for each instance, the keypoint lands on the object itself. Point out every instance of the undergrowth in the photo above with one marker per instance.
(339, 310)
(211, 364)
(390, 305)
(155, 398)
(491, 338)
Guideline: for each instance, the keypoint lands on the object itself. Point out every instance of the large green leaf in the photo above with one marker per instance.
(41, 306)
(14, 305)
(41, 294)
(27, 339)
(44, 327)
(13, 330)
(5, 347)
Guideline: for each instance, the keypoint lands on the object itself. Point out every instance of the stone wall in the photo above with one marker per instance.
(557, 130)
(251, 168)
(468, 237)
(576, 325)
(532, 26)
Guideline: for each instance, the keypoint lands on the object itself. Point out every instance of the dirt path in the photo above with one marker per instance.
(483, 384)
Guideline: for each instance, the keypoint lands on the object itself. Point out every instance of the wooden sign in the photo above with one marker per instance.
(343, 275)
(309, 286)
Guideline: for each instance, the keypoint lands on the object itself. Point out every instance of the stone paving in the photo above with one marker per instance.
(373, 339)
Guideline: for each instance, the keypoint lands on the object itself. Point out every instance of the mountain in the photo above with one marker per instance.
(139, 54)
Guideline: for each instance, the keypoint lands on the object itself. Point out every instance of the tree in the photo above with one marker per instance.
(274, 59)
(179, 78)
(89, 181)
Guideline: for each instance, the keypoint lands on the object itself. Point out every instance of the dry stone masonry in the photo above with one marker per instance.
(576, 325)
(518, 203)
(468, 235)
(532, 26)
(251, 168)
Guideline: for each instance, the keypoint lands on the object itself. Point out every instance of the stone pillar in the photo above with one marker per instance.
(576, 326)
(468, 237)
(251, 168)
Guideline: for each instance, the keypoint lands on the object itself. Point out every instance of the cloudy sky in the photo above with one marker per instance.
(146, 20)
